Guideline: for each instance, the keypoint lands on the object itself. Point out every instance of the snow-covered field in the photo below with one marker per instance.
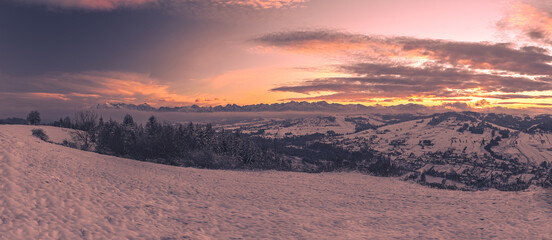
(282, 127)
(52, 192)
(411, 133)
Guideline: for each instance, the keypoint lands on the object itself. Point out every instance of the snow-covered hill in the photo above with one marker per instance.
(49, 191)
(416, 137)
(288, 127)
(458, 133)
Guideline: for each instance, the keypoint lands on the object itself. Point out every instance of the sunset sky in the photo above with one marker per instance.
(470, 53)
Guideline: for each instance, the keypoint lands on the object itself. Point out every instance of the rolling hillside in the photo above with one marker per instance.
(50, 192)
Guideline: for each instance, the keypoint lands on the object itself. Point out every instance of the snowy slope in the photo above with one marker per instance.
(409, 137)
(536, 147)
(411, 133)
(282, 127)
(306, 126)
(406, 137)
(52, 192)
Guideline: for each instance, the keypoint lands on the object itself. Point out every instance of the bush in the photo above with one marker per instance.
(39, 133)
(69, 144)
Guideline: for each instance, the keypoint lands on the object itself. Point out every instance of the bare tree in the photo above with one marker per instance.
(33, 118)
(85, 123)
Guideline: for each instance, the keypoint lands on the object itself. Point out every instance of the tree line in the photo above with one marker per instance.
(200, 145)
(192, 145)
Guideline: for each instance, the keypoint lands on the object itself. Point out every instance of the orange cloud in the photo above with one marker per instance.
(482, 103)
(139, 87)
(41, 95)
(45, 95)
(97, 87)
(412, 51)
(406, 67)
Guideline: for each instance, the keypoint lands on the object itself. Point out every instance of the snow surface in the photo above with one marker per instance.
(282, 127)
(408, 136)
(443, 137)
(53, 192)
(536, 147)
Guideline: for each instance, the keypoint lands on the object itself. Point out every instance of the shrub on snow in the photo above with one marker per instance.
(39, 133)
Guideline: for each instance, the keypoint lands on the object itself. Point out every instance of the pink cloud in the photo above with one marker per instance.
(91, 4)
(261, 4)
(106, 5)
(529, 21)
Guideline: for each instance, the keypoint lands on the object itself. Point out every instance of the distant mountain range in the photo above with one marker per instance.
(275, 107)
(320, 106)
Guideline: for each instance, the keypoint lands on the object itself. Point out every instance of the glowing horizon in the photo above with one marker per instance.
(171, 53)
